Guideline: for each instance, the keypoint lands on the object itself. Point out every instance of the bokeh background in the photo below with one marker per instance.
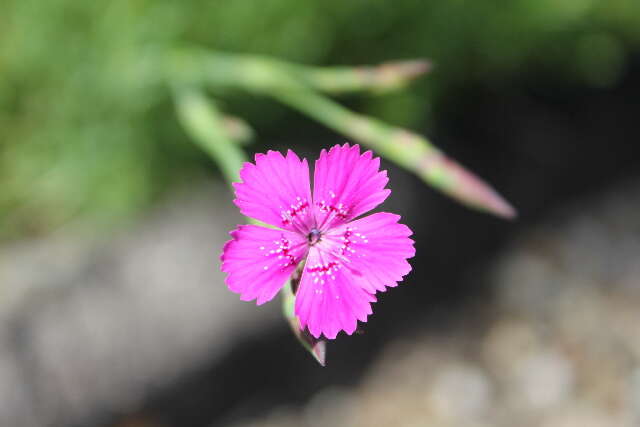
(112, 308)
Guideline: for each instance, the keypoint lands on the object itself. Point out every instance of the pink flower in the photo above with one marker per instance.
(347, 260)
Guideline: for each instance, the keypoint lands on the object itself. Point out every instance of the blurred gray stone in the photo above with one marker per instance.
(92, 324)
(559, 346)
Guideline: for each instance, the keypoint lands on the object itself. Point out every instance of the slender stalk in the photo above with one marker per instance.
(403, 147)
(388, 76)
(260, 73)
(202, 121)
(317, 347)
(296, 86)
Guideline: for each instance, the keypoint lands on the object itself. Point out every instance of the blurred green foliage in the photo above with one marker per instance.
(87, 127)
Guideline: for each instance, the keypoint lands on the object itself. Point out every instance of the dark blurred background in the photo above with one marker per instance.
(112, 309)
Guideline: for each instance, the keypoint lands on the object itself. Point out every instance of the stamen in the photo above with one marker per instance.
(319, 270)
(295, 215)
(283, 250)
(332, 211)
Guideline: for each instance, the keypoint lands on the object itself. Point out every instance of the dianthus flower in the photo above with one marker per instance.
(346, 260)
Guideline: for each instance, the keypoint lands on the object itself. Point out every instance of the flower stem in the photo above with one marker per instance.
(202, 121)
(405, 148)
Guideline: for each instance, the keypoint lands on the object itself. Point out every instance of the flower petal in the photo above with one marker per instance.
(374, 248)
(276, 190)
(346, 185)
(328, 301)
(258, 261)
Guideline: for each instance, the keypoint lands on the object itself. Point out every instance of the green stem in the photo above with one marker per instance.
(285, 82)
(405, 148)
(202, 121)
(259, 74)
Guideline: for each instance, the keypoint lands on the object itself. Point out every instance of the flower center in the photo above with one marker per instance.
(314, 236)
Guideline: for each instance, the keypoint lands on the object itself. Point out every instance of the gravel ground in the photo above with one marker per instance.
(96, 326)
(93, 326)
(557, 346)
